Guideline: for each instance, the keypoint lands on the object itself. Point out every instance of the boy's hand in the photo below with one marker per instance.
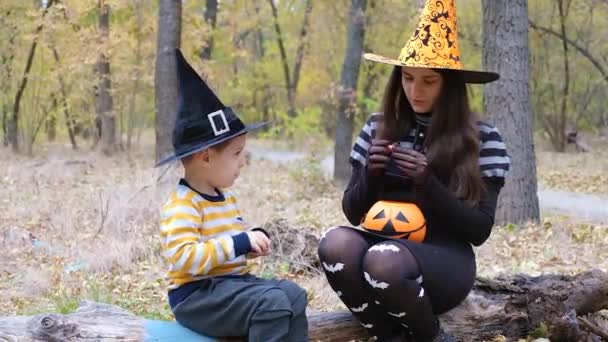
(252, 255)
(260, 243)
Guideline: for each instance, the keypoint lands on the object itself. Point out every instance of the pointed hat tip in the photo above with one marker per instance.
(192, 88)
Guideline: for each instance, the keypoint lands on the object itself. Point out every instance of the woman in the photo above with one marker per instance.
(425, 148)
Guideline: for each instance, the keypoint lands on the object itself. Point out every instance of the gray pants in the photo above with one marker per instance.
(263, 310)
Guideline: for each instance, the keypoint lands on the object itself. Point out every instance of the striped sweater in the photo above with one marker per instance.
(494, 162)
(449, 219)
(202, 236)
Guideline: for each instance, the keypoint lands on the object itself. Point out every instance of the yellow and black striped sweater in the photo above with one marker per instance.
(202, 236)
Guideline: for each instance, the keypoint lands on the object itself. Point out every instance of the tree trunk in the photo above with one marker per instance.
(6, 60)
(238, 40)
(13, 122)
(50, 125)
(165, 76)
(263, 92)
(287, 75)
(512, 307)
(507, 103)
(560, 144)
(302, 45)
(46, 111)
(104, 89)
(5, 140)
(211, 20)
(69, 120)
(137, 71)
(348, 89)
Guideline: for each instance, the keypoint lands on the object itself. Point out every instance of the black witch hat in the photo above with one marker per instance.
(202, 119)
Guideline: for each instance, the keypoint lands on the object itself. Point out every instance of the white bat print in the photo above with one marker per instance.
(377, 302)
(360, 308)
(367, 326)
(421, 292)
(374, 283)
(333, 268)
(398, 315)
(384, 247)
(405, 326)
(419, 280)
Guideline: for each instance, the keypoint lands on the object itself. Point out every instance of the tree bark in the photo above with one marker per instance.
(560, 145)
(165, 76)
(50, 125)
(6, 60)
(507, 306)
(69, 120)
(302, 45)
(507, 103)
(284, 62)
(105, 103)
(292, 80)
(5, 139)
(211, 20)
(348, 89)
(510, 306)
(262, 93)
(13, 122)
(46, 111)
(91, 321)
(137, 71)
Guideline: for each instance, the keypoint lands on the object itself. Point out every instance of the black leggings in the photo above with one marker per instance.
(381, 284)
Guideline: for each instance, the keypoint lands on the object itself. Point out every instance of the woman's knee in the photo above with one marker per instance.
(388, 262)
(336, 240)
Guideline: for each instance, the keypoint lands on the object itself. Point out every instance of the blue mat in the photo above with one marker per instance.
(166, 331)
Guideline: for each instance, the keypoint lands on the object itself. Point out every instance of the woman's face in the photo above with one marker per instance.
(422, 87)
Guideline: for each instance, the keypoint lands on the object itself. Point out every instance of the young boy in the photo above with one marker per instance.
(205, 240)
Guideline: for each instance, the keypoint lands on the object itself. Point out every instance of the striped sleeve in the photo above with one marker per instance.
(494, 161)
(358, 155)
(182, 246)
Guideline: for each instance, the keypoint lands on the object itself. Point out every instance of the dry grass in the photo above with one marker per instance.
(76, 225)
(578, 172)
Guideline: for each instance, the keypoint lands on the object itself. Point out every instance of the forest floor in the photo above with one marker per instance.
(76, 225)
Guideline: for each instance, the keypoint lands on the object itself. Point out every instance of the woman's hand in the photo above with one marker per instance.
(411, 163)
(378, 156)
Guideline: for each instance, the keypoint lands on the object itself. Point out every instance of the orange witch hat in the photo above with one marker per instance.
(434, 44)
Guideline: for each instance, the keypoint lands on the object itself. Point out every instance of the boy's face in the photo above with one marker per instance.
(225, 164)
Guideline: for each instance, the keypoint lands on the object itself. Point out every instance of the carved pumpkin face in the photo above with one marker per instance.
(397, 220)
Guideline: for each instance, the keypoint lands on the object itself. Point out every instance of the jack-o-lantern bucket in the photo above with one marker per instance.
(396, 220)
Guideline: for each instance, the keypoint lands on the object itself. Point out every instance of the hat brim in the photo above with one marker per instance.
(468, 76)
(211, 143)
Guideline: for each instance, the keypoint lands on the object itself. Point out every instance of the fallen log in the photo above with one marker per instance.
(507, 306)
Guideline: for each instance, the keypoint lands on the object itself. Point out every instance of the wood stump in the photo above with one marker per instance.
(509, 306)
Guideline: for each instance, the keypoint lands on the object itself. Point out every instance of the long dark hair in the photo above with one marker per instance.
(452, 141)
